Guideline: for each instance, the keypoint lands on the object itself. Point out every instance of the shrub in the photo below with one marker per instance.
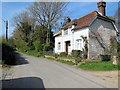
(56, 55)
(32, 47)
(39, 54)
(38, 46)
(105, 57)
(77, 60)
(63, 54)
(48, 48)
(77, 53)
(8, 54)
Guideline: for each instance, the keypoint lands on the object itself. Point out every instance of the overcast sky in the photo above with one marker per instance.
(74, 10)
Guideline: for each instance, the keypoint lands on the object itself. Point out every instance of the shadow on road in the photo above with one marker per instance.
(20, 60)
(25, 82)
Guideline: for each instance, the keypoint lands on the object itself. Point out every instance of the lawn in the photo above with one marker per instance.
(99, 66)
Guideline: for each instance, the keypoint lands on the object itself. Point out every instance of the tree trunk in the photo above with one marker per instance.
(48, 37)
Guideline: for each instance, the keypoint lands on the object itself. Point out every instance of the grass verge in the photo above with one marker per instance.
(99, 66)
(62, 61)
(66, 62)
(32, 53)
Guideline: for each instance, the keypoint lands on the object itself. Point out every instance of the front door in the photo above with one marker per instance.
(67, 46)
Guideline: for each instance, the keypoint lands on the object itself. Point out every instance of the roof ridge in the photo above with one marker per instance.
(88, 14)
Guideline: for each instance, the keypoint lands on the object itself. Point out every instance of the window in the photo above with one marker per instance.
(65, 32)
(59, 45)
(78, 44)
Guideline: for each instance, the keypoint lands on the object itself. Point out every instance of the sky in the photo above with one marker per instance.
(73, 10)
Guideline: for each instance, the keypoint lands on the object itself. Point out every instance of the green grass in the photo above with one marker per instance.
(62, 61)
(66, 62)
(32, 53)
(99, 66)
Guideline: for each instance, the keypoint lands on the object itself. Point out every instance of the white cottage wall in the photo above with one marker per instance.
(77, 35)
(72, 37)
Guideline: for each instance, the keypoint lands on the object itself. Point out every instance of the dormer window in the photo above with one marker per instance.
(66, 32)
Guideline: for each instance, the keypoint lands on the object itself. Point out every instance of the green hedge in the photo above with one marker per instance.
(48, 48)
(38, 46)
(63, 54)
(105, 57)
(8, 54)
(77, 53)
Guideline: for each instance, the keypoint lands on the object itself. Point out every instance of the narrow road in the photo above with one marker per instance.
(33, 72)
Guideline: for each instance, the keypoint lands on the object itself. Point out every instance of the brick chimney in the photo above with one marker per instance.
(101, 7)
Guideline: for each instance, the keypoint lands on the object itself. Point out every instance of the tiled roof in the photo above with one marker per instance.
(84, 20)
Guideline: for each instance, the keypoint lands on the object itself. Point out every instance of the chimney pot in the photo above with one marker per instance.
(101, 7)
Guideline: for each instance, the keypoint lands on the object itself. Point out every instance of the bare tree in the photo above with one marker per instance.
(23, 17)
(47, 14)
(24, 25)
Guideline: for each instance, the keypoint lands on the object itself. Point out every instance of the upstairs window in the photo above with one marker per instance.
(65, 32)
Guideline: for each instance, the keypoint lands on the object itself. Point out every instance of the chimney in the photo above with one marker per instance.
(101, 7)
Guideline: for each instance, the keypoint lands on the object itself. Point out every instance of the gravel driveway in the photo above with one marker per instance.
(33, 72)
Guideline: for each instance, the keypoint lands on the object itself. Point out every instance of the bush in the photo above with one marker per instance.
(32, 47)
(39, 54)
(38, 46)
(56, 55)
(8, 54)
(105, 57)
(63, 54)
(77, 53)
(48, 48)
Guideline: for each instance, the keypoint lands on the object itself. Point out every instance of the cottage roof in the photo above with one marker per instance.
(85, 21)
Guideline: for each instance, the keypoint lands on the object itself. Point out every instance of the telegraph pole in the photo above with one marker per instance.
(6, 22)
(6, 30)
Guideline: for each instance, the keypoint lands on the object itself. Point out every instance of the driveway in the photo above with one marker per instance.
(33, 72)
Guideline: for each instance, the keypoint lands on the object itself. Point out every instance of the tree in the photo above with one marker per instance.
(40, 33)
(117, 19)
(47, 14)
(24, 25)
(85, 49)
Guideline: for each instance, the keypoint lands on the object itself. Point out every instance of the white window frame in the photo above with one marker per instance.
(66, 32)
(79, 44)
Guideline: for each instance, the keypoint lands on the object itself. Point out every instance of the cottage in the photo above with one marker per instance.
(94, 27)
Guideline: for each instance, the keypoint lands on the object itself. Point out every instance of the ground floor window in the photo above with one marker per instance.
(59, 45)
(78, 44)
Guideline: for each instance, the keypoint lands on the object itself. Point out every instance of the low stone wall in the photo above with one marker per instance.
(71, 59)
(60, 58)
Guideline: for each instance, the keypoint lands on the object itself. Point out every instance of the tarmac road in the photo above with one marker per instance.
(33, 72)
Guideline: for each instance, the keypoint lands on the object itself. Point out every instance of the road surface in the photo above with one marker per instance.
(33, 72)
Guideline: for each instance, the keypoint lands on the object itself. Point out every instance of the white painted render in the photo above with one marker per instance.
(77, 35)
(72, 36)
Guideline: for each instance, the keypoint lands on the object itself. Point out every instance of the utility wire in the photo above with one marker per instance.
(3, 19)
